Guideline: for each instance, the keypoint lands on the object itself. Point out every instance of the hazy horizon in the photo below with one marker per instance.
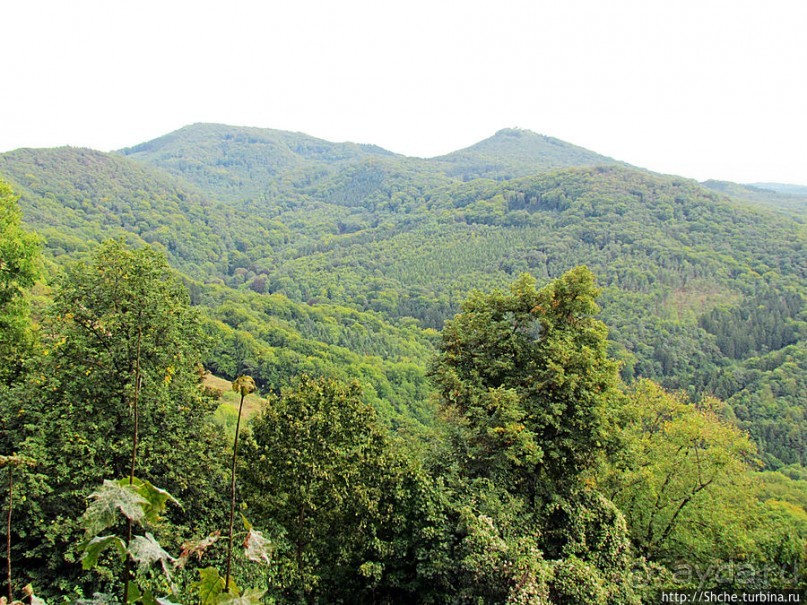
(706, 91)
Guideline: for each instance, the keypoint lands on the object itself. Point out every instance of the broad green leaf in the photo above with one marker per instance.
(155, 497)
(165, 601)
(209, 586)
(147, 597)
(250, 597)
(133, 593)
(256, 547)
(233, 590)
(146, 550)
(110, 498)
(94, 548)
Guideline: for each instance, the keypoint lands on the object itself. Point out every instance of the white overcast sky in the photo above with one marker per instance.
(700, 88)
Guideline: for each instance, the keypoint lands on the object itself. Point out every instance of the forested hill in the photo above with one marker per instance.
(791, 199)
(785, 188)
(457, 410)
(236, 163)
(75, 196)
(239, 163)
(343, 258)
(513, 152)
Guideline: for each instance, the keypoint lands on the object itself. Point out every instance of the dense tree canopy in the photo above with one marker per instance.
(120, 334)
(347, 505)
(695, 285)
(526, 471)
(18, 253)
(529, 374)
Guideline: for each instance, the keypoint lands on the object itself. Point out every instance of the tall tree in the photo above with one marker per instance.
(121, 333)
(526, 375)
(526, 388)
(19, 251)
(354, 517)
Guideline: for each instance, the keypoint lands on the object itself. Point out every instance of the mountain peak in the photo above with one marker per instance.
(515, 132)
(238, 161)
(514, 152)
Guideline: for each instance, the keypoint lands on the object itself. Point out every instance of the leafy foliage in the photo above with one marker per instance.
(542, 478)
(528, 374)
(18, 269)
(680, 463)
(319, 468)
(77, 405)
(112, 498)
(138, 501)
(146, 551)
(340, 230)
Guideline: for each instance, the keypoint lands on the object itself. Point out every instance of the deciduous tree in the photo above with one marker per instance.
(19, 251)
(526, 375)
(121, 332)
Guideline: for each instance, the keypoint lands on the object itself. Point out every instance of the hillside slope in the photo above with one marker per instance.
(700, 292)
(235, 163)
(74, 196)
(790, 199)
(513, 152)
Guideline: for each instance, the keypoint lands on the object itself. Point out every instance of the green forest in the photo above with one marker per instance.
(522, 372)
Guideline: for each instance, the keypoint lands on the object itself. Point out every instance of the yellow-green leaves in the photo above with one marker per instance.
(682, 475)
(19, 252)
(210, 590)
(244, 385)
(16, 461)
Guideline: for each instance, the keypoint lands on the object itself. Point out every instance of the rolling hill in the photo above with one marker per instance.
(514, 152)
(790, 199)
(236, 163)
(74, 196)
(344, 258)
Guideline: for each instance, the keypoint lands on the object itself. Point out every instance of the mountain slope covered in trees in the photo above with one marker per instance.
(237, 162)
(450, 416)
(73, 196)
(513, 152)
(791, 199)
(699, 292)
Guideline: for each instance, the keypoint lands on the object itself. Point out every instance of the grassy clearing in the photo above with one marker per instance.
(226, 415)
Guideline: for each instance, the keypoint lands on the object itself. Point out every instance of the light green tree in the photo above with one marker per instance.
(118, 390)
(19, 251)
(682, 477)
(526, 377)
